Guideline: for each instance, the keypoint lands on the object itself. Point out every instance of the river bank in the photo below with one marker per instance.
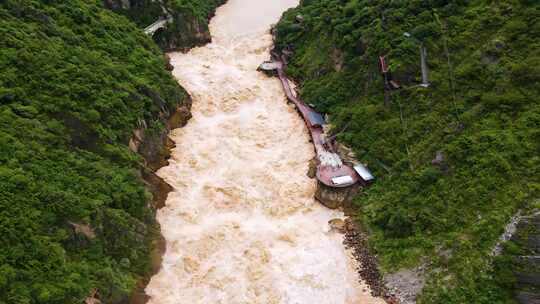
(355, 239)
(437, 146)
(155, 150)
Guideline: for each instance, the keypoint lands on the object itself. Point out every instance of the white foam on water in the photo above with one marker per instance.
(241, 225)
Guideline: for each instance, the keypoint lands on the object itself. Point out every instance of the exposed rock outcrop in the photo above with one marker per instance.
(155, 148)
(526, 266)
(312, 169)
(338, 225)
(84, 229)
(406, 284)
(92, 299)
(187, 29)
(185, 32)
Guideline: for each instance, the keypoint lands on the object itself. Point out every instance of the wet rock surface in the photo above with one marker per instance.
(155, 149)
(356, 240)
(338, 225)
(312, 169)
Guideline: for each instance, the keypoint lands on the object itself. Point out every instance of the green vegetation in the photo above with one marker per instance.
(481, 112)
(142, 12)
(145, 12)
(75, 80)
(190, 26)
(200, 9)
(190, 20)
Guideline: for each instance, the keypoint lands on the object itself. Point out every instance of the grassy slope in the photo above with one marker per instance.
(482, 112)
(75, 79)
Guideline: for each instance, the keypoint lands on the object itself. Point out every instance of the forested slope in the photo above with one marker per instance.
(189, 27)
(75, 80)
(480, 116)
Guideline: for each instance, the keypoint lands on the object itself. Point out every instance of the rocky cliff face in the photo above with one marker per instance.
(189, 27)
(185, 32)
(154, 146)
(527, 261)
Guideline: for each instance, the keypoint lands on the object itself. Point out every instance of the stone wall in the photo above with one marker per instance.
(336, 198)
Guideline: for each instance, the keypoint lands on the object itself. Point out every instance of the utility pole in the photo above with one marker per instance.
(423, 60)
(423, 65)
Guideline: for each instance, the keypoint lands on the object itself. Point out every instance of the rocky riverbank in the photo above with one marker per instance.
(155, 148)
(356, 240)
(342, 198)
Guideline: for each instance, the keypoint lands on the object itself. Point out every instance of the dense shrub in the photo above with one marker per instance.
(481, 112)
(75, 80)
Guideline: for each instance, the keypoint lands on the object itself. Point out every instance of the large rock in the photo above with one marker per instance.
(185, 32)
(154, 145)
(338, 225)
(312, 169)
(406, 284)
(528, 297)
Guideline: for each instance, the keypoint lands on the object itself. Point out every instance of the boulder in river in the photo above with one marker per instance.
(312, 169)
(337, 224)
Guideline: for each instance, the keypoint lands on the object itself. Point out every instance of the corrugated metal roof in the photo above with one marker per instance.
(316, 119)
(269, 66)
(363, 172)
(341, 180)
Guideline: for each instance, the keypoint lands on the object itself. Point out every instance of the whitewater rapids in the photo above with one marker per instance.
(241, 225)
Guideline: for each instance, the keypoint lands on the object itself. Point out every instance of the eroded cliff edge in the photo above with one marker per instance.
(189, 20)
(154, 146)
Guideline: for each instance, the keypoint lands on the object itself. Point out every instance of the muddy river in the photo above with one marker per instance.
(241, 225)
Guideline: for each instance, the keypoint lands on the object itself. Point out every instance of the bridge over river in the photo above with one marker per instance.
(159, 24)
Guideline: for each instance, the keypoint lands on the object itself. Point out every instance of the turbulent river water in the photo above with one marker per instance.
(241, 225)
